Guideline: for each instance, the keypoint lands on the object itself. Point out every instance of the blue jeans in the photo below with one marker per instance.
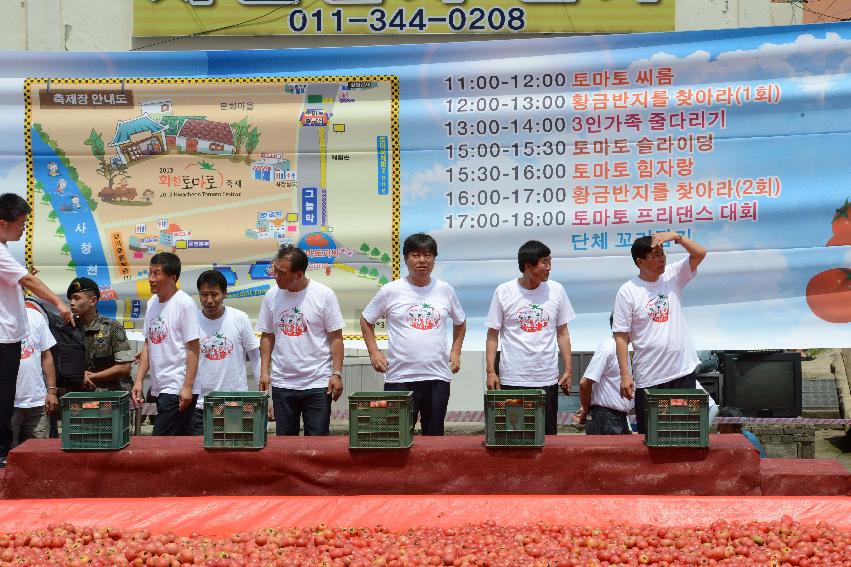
(313, 406)
(429, 402)
(170, 420)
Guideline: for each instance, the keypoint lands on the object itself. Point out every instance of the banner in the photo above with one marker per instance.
(370, 17)
(736, 139)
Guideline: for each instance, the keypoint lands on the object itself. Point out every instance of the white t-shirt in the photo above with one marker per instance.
(417, 317)
(168, 327)
(13, 318)
(225, 342)
(30, 389)
(300, 321)
(651, 312)
(527, 321)
(604, 371)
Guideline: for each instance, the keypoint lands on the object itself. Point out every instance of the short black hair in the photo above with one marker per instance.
(611, 319)
(169, 262)
(641, 248)
(531, 253)
(212, 278)
(12, 207)
(419, 242)
(296, 256)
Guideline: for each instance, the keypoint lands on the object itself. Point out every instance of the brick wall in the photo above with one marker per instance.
(786, 441)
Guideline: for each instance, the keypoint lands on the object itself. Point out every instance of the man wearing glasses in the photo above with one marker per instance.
(648, 313)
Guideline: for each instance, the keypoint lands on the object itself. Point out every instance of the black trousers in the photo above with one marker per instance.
(550, 405)
(688, 381)
(605, 421)
(10, 361)
(170, 420)
(431, 397)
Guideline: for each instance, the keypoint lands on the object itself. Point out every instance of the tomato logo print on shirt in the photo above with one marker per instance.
(157, 330)
(292, 323)
(423, 317)
(27, 348)
(216, 347)
(533, 318)
(658, 308)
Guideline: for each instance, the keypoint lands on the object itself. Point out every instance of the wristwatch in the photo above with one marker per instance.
(338, 373)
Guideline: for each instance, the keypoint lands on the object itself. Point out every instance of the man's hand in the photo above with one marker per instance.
(136, 392)
(580, 416)
(335, 387)
(65, 313)
(454, 362)
(565, 381)
(88, 383)
(379, 361)
(185, 396)
(662, 237)
(264, 382)
(627, 386)
(493, 381)
(51, 403)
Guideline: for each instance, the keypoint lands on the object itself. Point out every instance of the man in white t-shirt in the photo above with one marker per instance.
(603, 409)
(35, 392)
(171, 348)
(417, 309)
(530, 315)
(14, 212)
(301, 346)
(648, 312)
(227, 338)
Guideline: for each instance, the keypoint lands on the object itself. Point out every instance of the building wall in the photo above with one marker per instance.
(106, 25)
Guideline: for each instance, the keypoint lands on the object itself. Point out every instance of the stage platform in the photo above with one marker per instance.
(324, 466)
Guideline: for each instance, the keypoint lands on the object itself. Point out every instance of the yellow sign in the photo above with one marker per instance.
(306, 17)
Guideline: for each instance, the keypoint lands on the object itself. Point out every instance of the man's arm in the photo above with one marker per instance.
(458, 332)
(51, 402)
(335, 383)
(376, 357)
(585, 387)
(193, 352)
(696, 252)
(267, 343)
(491, 346)
(142, 369)
(38, 287)
(113, 373)
(621, 348)
(563, 340)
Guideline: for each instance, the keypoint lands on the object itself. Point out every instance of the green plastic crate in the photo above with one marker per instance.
(677, 418)
(381, 420)
(95, 420)
(514, 418)
(235, 420)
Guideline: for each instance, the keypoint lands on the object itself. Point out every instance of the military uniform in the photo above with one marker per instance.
(106, 346)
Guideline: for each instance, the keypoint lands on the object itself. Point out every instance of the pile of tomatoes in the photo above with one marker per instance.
(782, 542)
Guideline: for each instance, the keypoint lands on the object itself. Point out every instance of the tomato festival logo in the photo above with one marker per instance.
(423, 317)
(292, 323)
(533, 318)
(27, 348)
(157, 331)
(658, 308)
(216, 347)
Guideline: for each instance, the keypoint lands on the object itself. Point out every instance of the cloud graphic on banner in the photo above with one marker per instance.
(425, 183)
(14, 181)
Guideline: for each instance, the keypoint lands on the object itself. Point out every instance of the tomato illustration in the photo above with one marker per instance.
(829, 295)
(841, 225)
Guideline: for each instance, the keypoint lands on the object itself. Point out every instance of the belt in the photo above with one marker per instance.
(614, 411)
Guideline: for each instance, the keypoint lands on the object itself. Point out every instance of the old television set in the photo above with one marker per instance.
(763, 384)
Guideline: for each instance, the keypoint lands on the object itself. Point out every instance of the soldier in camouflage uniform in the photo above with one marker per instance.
(108, 354)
